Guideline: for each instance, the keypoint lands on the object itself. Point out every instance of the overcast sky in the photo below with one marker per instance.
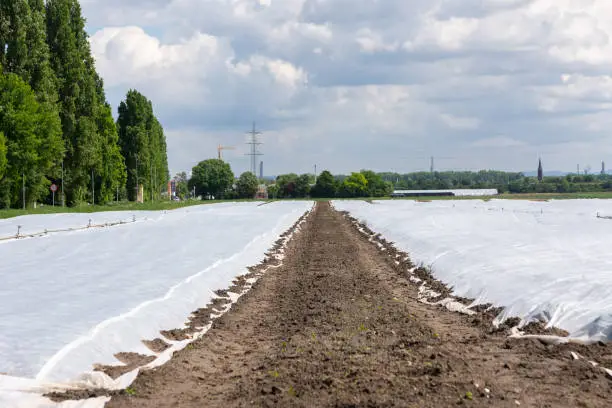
(378, 84)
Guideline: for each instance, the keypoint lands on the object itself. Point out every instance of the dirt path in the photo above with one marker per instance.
(338, 325)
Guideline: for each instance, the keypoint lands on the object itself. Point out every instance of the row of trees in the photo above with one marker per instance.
(571, 183)
(363, 184)
(215, 178)
(55, 122)
(504, 182)
(452, 180)
(54, 109)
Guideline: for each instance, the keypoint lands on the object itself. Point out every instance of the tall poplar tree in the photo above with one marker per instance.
(3, 160)
(92, 151)
(32, 141)
(41, 76)
(24, 54)
(25, 51)
(143, 144)
(14, 18)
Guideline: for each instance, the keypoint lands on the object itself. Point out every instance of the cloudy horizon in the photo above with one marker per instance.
(372, 84)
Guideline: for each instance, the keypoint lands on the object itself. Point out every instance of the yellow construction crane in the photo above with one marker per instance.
(221, 148)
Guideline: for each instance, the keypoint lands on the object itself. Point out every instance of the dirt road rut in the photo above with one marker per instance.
(339, 325)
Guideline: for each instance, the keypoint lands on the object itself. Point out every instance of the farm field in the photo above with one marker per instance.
(120, 206)
(72, 299)
(513, 196)
(339, 324)
(334, 316)
(171, 205)
(541, 260)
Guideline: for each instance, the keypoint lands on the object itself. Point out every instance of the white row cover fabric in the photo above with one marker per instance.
(73, 299)
(541, 260)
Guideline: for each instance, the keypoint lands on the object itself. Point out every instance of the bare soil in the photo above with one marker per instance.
(340, 325)
(131, 361)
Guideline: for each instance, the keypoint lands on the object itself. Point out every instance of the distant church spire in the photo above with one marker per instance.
(540, 171)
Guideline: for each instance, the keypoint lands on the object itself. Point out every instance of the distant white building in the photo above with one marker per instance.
(443, 193)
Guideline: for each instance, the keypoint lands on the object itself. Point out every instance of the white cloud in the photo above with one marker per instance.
(288, 31)
(455, 122)
(283, 72)
(371, 42)
(500, 141)
(367, 80)
(452, 34)
(125, 54)
(191, 71)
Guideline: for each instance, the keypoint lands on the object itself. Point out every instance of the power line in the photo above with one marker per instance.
(432, 159)
(254, 142)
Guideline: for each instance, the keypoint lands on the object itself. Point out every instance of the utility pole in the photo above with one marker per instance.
(93, 190)
(63, 196)
(23, 189)
(431, 169)
(578, 169)
(315, 168)
(137, 186)
(254, 142)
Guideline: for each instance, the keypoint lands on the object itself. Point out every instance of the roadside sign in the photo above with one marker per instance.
(53, 189)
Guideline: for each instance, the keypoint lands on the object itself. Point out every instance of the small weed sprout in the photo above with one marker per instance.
(130, 391)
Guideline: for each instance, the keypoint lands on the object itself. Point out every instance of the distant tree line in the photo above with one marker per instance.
(214, 178)
(453, 180)
(504, 182)
(572, 183)
(55, 122)
(370, 184)
(362, 184)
